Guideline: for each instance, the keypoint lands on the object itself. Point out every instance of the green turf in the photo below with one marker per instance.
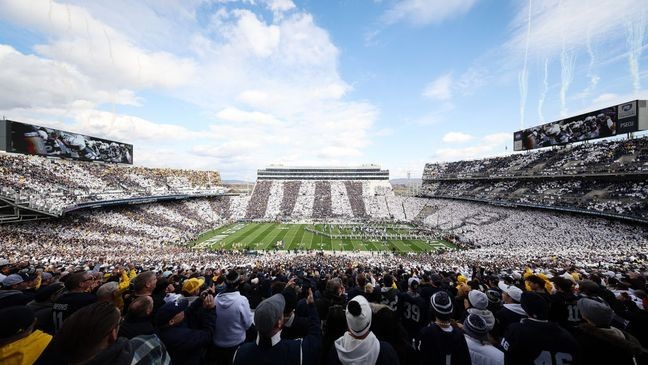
(264, 236)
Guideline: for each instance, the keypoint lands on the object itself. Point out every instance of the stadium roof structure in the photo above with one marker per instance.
(363, 172)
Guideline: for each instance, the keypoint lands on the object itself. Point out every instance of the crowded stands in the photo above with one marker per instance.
(607, 178)
(121, 285)
(54, 185)
(315, 308)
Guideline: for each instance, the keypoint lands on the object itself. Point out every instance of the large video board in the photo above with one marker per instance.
(33, 139)
(607, 122)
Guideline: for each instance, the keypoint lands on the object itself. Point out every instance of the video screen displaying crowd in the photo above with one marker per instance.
(43, 141)
(314, 308)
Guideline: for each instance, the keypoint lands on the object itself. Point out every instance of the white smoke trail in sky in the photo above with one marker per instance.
(523, 76)
(110, 50)
(636, 30)
(594, 78)
(567, 62)
(543, 94)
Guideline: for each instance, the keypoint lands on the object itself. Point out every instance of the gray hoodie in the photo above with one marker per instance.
(233, 318)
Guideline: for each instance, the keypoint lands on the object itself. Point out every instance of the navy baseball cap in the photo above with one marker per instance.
(169, 310)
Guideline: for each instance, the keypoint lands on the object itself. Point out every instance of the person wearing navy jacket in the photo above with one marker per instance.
(187, 345)
(270, 348)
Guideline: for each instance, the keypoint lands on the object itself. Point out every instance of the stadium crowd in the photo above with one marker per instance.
(315, 308)
(55, 184)
(616, 156)
(608, 177)
(619, 197)
(121, 286)
(318, 199)
(497, 236)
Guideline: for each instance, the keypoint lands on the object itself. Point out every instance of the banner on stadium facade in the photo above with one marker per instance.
(606, 122)
(33, 139)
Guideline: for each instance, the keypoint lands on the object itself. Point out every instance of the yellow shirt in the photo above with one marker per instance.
(26, 350)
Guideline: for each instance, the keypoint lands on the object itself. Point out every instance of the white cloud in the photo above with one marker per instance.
(445, 87)
(228, 150)
(253, 34)
(568, 21)
(486, 146)
(498, 138)
(29, 81)
(440, 89)
(471, 80)
(608, 99)
(424, 12)
(279, 7)
(128, 128)
(456, 137)
(400, 169)
(435, 116)
(254, 98)
(338, 152)
(237, 115)
(97, 50)
(271, 87)
(384, 132)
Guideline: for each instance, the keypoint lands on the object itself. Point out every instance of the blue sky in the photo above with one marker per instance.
(237, 85)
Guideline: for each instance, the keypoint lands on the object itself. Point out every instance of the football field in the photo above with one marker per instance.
(268, 236)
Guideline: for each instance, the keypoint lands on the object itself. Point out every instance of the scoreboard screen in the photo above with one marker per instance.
(607, 122)
(33, 139)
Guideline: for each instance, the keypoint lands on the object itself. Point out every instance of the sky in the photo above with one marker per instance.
(235, 86)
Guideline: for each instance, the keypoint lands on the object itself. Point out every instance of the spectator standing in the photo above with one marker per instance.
(333, 295)
(481, 352)
(143, 285)
(359, 345)
(269, 348)
(77, 284)
(389, 292)
(191, 288)
(601, 342)
(186, 345)
(412, 309)
(12, 291)
(19, 342)
(138, 320)
(564, 304)
(512, 311)
(442, 342)
(89, 336)
(233, 318)
(42, 306)
(477, 303)
(535, 340)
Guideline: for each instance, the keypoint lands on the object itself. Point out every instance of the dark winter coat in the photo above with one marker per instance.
(606, 345)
